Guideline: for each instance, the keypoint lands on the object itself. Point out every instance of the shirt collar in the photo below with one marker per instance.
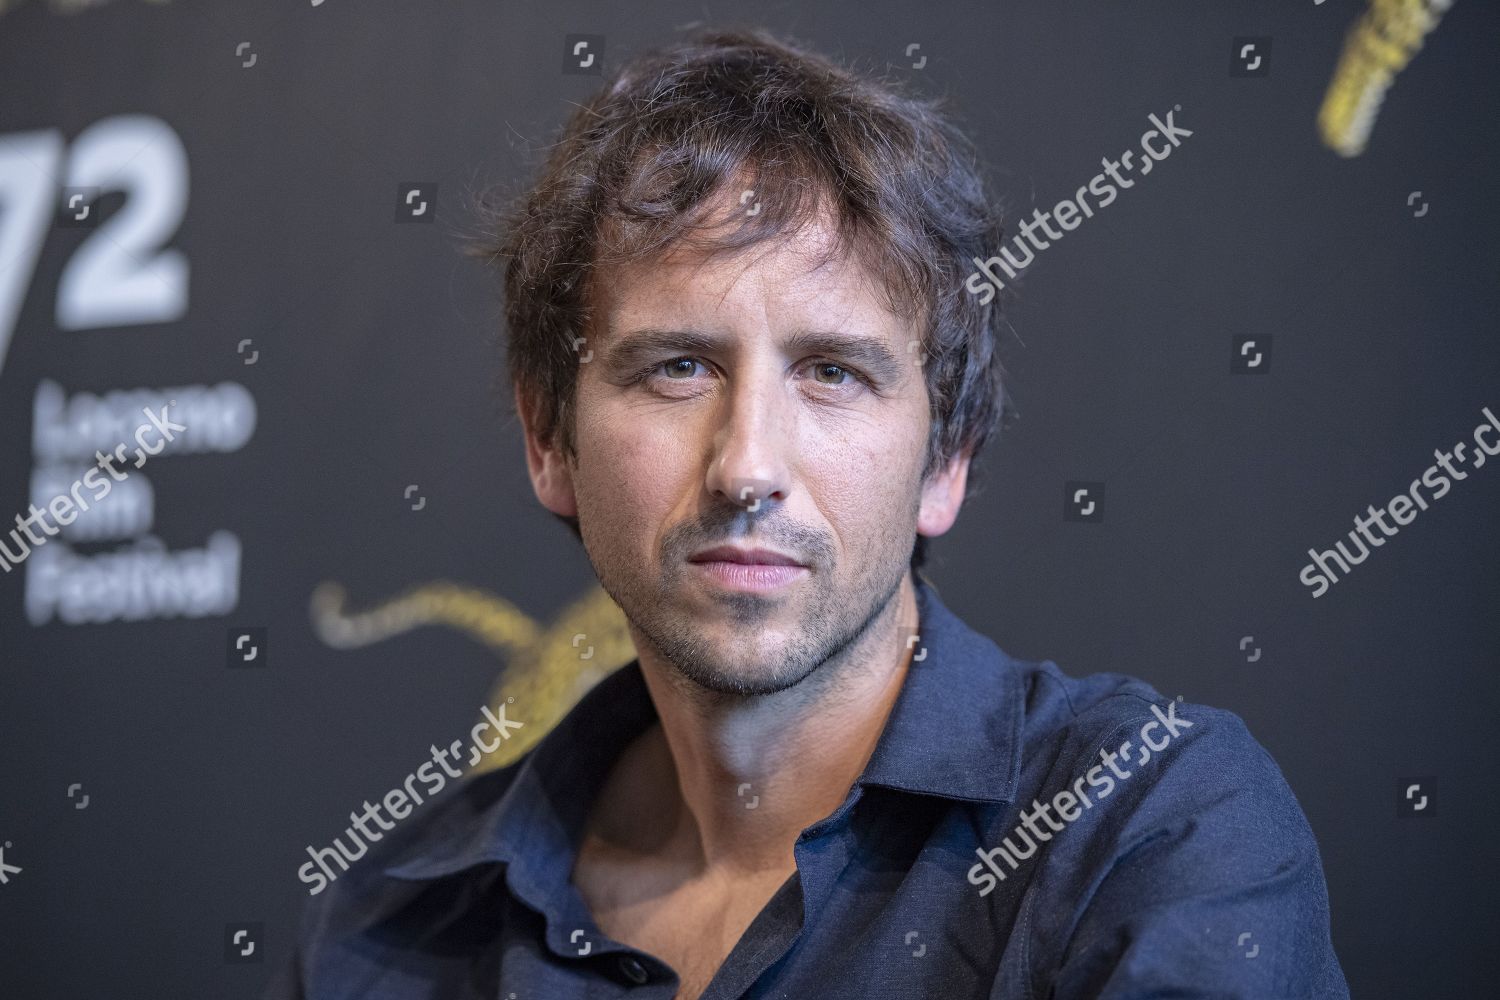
(954, 731)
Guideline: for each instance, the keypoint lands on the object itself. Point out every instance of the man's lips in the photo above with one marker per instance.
(747, 570)
(746, 557)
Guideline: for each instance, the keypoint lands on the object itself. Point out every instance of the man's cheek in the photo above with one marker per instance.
(858, 515)
(628, 490)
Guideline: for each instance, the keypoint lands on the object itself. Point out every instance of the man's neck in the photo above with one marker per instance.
(727, 784)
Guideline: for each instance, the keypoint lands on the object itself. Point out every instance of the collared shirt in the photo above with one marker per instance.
(1016, 833)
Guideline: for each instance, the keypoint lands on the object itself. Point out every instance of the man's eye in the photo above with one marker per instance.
(829, 373)
(676, 370)
(684, 368)
(673, 368)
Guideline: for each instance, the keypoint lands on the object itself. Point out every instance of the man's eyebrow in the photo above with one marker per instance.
(869, 353)
(631, 349)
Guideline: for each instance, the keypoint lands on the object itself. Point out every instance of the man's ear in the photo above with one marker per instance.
(551, 476)
(942, 495)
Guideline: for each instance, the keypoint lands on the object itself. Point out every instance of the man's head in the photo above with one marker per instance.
(736, 317)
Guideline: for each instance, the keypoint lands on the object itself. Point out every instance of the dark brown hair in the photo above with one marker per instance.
(671, 130)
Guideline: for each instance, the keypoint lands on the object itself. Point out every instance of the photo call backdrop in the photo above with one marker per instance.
(327, 557)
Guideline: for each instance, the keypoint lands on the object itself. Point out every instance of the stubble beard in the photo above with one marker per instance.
(829, 624)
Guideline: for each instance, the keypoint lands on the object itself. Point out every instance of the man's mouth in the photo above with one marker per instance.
(746, 557)
(754, 570)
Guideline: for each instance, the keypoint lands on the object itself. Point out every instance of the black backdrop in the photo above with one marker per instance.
(337, 366)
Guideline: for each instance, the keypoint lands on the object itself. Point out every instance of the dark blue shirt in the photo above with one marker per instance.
(1016, 833)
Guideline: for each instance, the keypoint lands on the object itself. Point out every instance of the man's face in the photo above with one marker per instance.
(754, 403)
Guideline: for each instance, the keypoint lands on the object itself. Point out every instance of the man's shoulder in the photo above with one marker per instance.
(1177, 817)
(1046, 723)
(1054, 704)
(1181, 759)
(431, 843)
(1061, 707)
(405, 889)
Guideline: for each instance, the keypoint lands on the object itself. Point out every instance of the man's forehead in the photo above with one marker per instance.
(808, 274)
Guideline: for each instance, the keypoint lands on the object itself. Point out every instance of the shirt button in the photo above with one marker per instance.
(634, 970)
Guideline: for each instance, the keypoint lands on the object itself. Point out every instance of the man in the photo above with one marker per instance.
(749, 378)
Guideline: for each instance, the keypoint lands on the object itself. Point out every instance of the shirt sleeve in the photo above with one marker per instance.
(1208, 880)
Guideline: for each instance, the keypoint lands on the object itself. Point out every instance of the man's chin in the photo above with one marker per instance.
(734, 677)
(718, 652)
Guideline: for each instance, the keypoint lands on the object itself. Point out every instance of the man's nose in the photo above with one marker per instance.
(752, 445)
